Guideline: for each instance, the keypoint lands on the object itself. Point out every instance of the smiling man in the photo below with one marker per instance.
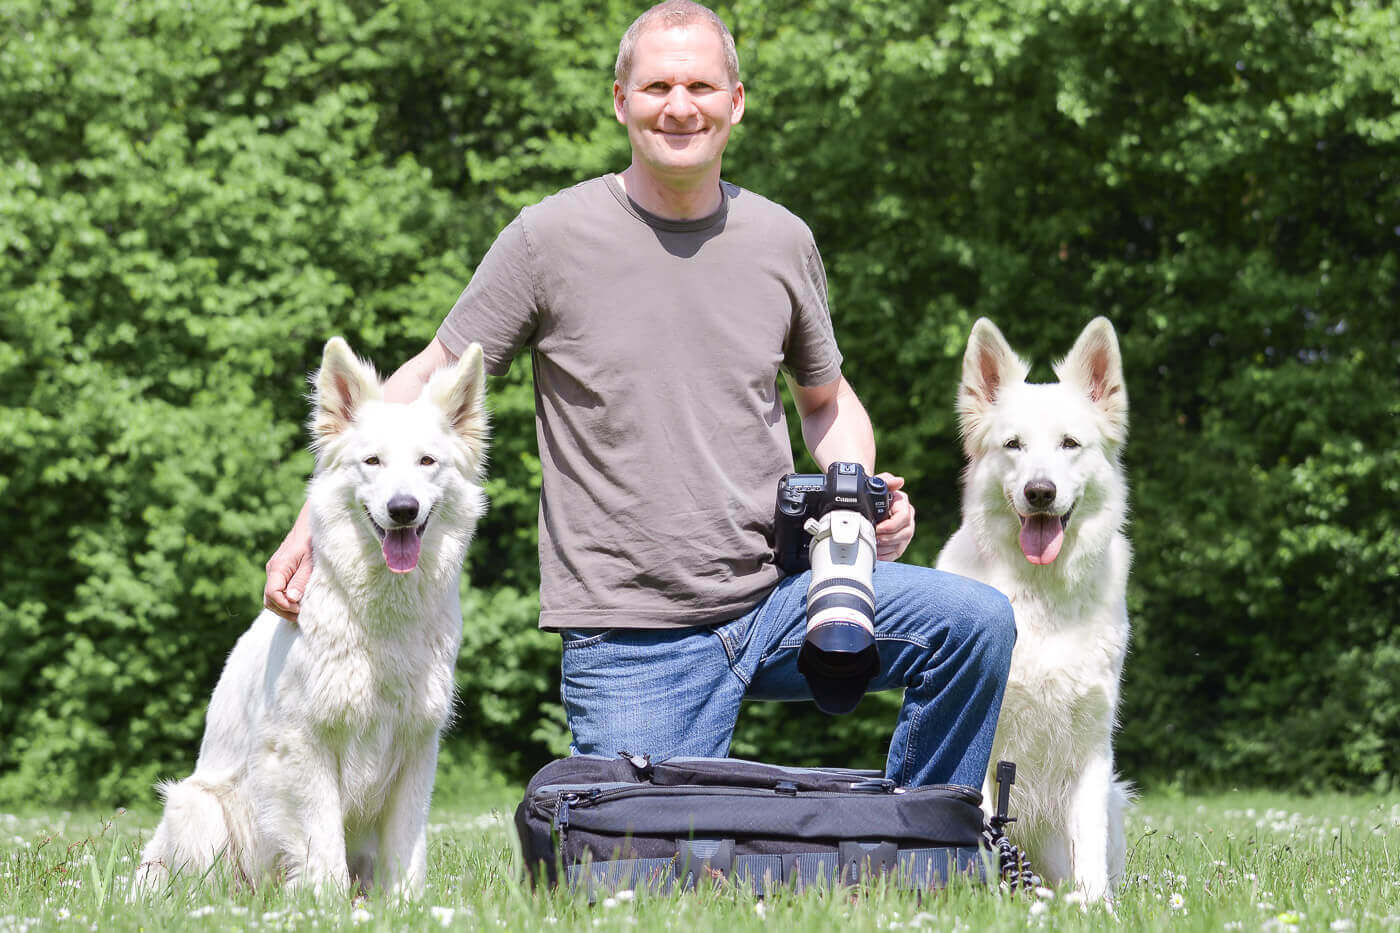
(659, 306)
(678, 93)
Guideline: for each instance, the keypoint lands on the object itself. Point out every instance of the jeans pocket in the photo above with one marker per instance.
(585, 637)
(734, 636)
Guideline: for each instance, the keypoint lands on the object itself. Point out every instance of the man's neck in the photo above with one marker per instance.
(672, 203)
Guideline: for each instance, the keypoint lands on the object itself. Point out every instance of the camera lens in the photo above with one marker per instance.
(838, 656)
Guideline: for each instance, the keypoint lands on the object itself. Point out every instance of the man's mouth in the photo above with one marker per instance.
(679, 136)
(402, 544)
(1042, 535)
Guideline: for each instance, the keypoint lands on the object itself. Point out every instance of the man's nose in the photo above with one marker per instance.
(680, 104)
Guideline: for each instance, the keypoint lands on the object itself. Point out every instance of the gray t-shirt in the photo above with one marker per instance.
(656, 347)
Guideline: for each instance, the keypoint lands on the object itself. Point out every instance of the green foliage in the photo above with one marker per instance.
(193, 200)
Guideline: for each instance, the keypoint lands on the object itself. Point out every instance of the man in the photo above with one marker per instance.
(659, 305)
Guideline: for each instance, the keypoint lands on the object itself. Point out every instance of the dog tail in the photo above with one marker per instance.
(193, 835)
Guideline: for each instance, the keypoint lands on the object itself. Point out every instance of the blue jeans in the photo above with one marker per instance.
(943, 639)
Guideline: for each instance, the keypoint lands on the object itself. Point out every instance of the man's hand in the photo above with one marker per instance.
(893, 534)
(288, 570)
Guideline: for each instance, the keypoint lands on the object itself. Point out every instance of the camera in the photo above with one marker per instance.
(826, 521)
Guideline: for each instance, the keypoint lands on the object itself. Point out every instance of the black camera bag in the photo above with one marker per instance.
(607, 824)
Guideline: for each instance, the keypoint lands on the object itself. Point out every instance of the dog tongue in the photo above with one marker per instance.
(1041, 537)
(401, 546)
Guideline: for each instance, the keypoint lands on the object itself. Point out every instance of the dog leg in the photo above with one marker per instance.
(404, 826)
(1089, 825)
(302, 812)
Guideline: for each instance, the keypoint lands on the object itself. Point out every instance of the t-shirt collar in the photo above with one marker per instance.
(658, 222)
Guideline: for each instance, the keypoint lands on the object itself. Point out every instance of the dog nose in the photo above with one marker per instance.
(403, 509)
(1040, 494)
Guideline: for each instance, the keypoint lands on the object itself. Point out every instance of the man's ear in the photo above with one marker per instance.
(620, 103)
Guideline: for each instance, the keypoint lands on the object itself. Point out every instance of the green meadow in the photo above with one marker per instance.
(1234, 861)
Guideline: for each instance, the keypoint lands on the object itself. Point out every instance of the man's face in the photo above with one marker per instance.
(678, 104)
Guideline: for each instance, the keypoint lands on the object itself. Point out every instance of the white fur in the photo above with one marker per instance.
(1058, 717)
(321, 738)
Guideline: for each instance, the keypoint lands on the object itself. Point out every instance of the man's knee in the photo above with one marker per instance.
(991, 627)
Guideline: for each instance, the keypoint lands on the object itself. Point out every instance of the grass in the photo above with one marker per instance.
(1237, 861)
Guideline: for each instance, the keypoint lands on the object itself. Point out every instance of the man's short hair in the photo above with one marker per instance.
(669, 15)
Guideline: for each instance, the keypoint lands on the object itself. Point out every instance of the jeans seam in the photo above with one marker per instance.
(588, 641)
(909, 743)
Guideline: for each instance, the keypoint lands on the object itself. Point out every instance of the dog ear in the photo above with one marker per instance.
(460, 391)
(989, 365)
(342, 384)
(1095, 367)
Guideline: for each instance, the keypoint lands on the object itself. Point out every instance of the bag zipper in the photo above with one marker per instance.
(566, 800)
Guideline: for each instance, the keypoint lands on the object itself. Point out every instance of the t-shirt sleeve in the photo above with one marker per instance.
(812, 357)
(498, 309)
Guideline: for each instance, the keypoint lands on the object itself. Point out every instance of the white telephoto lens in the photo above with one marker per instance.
(843, 564)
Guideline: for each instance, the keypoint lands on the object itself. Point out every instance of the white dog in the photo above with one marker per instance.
(322, 737)
(1044, 504)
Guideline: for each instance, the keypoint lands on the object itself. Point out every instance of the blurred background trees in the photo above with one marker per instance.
(193, 200)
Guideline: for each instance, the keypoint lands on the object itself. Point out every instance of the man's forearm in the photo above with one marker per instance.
(408, 380)
(839, 429)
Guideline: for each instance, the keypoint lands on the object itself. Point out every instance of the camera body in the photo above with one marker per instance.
(803, 496)
(826, 522)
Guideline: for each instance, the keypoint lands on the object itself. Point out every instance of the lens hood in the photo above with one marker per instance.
(839, 659)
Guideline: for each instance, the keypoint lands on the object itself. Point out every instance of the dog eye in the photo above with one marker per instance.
(371, 461)
(1069, 443)
(426, 461)
(1013, 444)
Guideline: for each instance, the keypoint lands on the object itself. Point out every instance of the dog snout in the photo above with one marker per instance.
(1040, 494)
(403, 509)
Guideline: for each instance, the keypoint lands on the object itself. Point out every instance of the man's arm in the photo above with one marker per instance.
(289, 567)
(835, 427)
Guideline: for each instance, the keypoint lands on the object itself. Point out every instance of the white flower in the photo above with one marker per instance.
(443, 915)
(360, 915)
(1177, 901)
(759, 909)
(1038, 908)
(627, 895)
(610, 903)
(1340, 925)
(1074, 897)
(1044, 893)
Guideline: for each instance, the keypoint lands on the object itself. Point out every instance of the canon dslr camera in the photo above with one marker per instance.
(827, 521)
